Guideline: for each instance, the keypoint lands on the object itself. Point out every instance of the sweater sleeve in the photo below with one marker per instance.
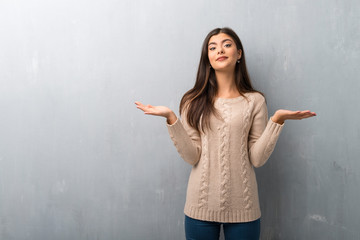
(263, 136)
(186, 139)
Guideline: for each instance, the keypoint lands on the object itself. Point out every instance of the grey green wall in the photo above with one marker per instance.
(79, 161)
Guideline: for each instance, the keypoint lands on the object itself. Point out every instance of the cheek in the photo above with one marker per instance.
(236, 53)
(211, 57)
(233, 53)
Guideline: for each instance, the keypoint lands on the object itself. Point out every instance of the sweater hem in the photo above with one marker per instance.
(226, 216)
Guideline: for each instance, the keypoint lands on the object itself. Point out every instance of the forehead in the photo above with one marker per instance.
(218, 38)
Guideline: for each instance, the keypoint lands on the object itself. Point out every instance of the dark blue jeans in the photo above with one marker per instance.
(204, 230)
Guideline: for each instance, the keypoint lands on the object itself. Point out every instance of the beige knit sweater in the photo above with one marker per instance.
(222, 185)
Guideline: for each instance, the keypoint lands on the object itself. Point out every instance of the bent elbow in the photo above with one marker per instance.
(258, 161)
(193, 162)
(192, 157)
(258, 164)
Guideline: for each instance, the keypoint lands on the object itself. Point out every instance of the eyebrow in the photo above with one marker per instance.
(221, 42)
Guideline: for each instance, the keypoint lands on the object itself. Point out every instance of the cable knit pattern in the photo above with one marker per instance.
(222, 184)
(224, 157)
(245, 164)
(204, 182)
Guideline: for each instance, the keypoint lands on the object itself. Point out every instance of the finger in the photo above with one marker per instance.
(141, 108)
(303, 113)
(306, 116)
(309, 112)
(139, 104)
(300, 116)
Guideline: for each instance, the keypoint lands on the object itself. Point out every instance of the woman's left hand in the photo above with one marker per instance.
(281, 115)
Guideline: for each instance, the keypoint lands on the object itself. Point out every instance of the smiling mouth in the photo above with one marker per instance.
(221, 58)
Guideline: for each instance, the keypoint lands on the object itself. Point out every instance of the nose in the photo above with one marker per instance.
(221, 50)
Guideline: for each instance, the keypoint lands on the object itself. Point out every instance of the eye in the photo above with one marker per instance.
(212, 48)
(228, 45)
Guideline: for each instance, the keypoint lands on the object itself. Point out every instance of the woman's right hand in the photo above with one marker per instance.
(158, 111)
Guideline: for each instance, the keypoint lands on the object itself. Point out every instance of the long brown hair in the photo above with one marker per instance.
(199, 101)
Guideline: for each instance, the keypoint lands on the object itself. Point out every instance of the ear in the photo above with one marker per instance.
(239, 53)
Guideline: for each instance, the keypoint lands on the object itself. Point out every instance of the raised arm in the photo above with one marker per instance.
(263, 136)
(186, 139)
(265, 132)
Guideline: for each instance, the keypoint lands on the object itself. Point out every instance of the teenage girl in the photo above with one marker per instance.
(224, 132)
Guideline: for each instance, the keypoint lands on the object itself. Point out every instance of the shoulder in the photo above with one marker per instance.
(257, 98)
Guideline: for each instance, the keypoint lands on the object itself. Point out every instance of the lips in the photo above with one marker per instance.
(221, 58)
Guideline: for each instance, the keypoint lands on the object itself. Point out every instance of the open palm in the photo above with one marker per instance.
(154, 110)
(295, 115)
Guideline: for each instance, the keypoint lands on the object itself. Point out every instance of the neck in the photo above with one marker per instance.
(226, 84)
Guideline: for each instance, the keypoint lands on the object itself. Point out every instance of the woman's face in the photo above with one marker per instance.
(222, 52)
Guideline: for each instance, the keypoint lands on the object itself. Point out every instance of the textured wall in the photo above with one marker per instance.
(79, 161)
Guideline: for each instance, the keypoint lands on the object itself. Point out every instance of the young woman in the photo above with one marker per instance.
(224, 132)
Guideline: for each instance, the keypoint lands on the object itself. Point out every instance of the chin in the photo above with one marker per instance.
(224, 68)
